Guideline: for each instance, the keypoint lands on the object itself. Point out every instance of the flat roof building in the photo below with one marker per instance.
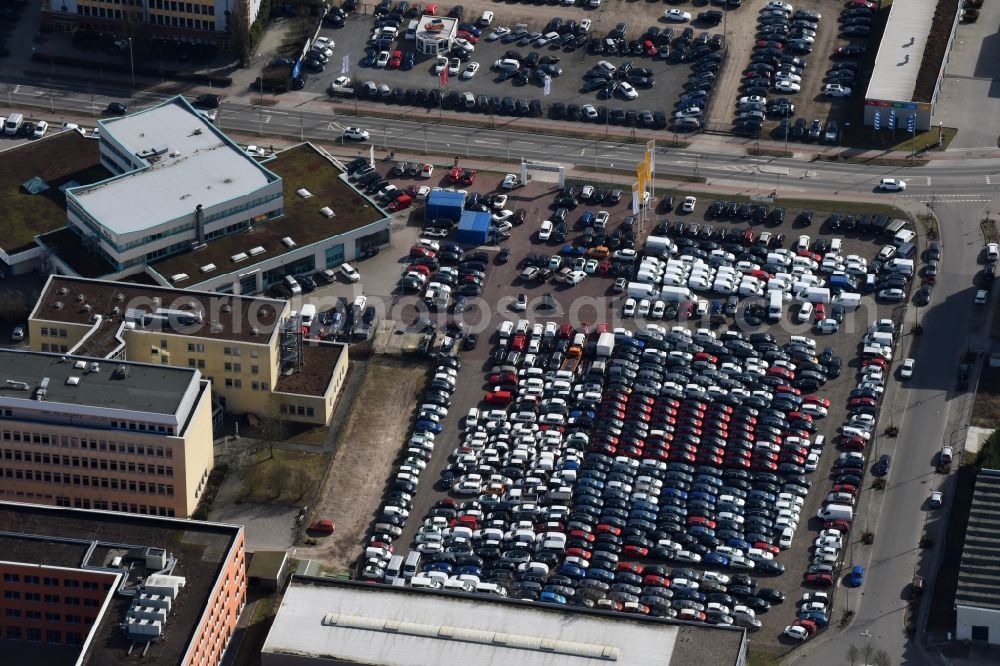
(977, 600)
(892, 87)
(117, 436)
(436, 34)
(327, 621)
(250, 348)
(100, 588)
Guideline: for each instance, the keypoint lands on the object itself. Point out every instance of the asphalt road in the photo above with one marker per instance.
(921, 411)
(959, 190)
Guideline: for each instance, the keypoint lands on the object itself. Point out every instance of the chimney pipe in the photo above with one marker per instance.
(199, 224)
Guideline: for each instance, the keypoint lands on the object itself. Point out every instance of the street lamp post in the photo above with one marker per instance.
(131, 60)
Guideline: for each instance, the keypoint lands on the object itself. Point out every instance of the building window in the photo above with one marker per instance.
(53, 636)
(11, 578)
(34, 634)
(229, 383)
(254, 369)
(11, 595)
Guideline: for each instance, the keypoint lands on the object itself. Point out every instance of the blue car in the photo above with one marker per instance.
(819, 618)
(552, 598)
(717, 559)
(429, 426)
(739, 543)
(438, 566)
(674, 492)
(602, 575)
(857, 576)
(408, 61)
(572, 571)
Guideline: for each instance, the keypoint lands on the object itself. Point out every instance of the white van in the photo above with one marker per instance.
(411, 30)
(901, 266)
(293, 285)
(308, 313)
(412, 564)
(395, 567)
(13, 123)
(641, 290)
(774, 305)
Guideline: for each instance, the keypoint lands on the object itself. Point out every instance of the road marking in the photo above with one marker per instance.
(988, 180)
(928, 181)
(492, 142)
(267, 118)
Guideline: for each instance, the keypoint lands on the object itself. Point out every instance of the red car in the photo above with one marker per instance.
(701, 520)
(579, 552)
(418, 251)
(517, 344)
(455, 175)
(604, 528)
(763, 545)
(655, 581)
(502, 378)
(635, 551)
(468, 36)
(431, 10)
(849, 488)
(820, 312)
(808, 625)
(419, 268)
(853, 443)
(582, 534)
(651, 49)
(875, 360)
(395, 60)
(498, 398)
(323, 526)
(839, 524)
(469, 176)
(816, 400)
(631, 567)
(818, 580)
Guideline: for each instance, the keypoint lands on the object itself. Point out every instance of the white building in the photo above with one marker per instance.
(436, 34)
(977, 600)
(324, 621)
(180, 183)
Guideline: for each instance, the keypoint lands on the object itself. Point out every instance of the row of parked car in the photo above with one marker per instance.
(598, 456)
(398, 501)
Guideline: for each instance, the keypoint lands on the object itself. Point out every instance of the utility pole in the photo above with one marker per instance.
(131, 60)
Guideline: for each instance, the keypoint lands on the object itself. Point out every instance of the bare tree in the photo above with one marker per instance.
(299, 482)
(273, 429)
(277, 479)
(853, 653)
(881, 658)
(867, 651)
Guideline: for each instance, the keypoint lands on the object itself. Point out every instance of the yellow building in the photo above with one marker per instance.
(251, 349)
(193, 21)
(128, 437)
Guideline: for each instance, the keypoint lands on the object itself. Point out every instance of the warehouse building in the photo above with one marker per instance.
(323, 621)
(92, 588)
(892, 88)
(977, 600)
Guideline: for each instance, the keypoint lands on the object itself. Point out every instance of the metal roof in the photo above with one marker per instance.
(397, 626)
(901, 50)
(979, 572)
(189, 162)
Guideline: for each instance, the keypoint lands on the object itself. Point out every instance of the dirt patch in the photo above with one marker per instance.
(986, 409)
(934, 50)
(367, 449)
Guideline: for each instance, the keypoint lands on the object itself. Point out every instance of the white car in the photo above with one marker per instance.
(644, 306)
(427, 171)
(992, 253)
(893, 295)
(470, 70)
(677, 16)
(628, 309)
(751, 99)
(588, 111)
(891, 185)
(441, 64)
(350, 274)
(355, 134)
(453, 66)
(497, 33)
(805, 312)
(545, 230)
(509, 181)
(486, 19)
(627, 91)
(836, 90)
(788, 76)
(40, 129)
(786, 86)
(502, 216)
(689, 203)
(383, 59)
(906, 370)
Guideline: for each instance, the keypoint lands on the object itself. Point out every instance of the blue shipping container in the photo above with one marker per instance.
(473, 228)
(446, 205)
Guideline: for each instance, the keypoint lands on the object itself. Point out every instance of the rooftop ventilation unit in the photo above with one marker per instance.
(207, 268)
(43, 389)
(63, 291)
(304, 193)
(254, 251)
(254, 331)
(155, 151)
(237, 258)
(95, 367)
(327, 212)
(19, 386)
(80, 365)
(216, 327)
(179, 277)
(72, 381)
(119, 297)
(58, 305)
(227, 308)
(81, 297)
(287, 241)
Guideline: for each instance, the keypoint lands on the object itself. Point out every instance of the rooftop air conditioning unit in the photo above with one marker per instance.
(254, 251)
(287, 242)
(179, 277)
(227, 308)
(87, 308)
(237, 258)
(207, 268)
(57, 305)
(80, 365)
(81, 297)
(72, 381)
(304, 193)
(327, 212)
(63, 291)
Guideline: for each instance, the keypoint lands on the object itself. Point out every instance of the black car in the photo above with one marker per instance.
(116, 109)
(881, 468)
(207, 101)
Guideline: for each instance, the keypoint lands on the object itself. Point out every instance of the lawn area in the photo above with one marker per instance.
(281, 477)
(57, 160)
(761, 658)
(986, 408)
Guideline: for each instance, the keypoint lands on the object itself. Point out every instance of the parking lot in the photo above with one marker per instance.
(544, 463)
(660, 70)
